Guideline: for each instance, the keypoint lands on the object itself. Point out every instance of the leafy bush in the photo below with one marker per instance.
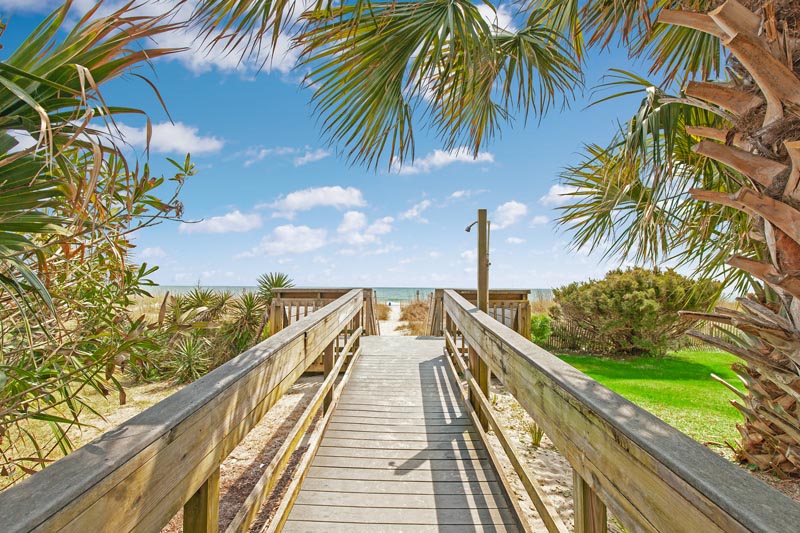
(633, 312)
(540, 328)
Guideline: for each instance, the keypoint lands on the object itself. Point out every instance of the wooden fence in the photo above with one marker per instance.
(649, 475)
(137, 476)
(569, 336)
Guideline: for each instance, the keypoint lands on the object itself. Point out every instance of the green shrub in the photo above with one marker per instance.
(540, 328)
(633, 312)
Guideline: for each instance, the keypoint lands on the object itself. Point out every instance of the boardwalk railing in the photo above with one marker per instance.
(139, 475)
(291, 304)
(511, 307)
(648, 474)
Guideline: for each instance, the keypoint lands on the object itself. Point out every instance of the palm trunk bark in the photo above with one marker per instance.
(767, 153)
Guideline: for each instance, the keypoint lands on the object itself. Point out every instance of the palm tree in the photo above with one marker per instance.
(271, 281)
(712, 176)
(374, 67)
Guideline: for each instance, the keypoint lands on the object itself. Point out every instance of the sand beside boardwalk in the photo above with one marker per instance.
(390, 327)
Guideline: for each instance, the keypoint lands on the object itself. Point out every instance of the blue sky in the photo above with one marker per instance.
(271, 195)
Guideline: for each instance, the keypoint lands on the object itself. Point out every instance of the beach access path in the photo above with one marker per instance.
(390, 327)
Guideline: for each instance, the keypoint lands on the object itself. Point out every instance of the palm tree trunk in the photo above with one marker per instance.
(762, 145)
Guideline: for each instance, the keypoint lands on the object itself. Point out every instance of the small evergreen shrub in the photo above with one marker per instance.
(633, 312)
(540, 328)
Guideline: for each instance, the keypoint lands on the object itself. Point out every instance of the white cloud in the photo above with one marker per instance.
(515, 240)
(24, 140)
(154, 252)
(355, 231)
(508, 214)
(289, 239)
(197, 56)
(172, 138)
(557, 195)
(469, 255)
(538, 220)
(458, 195)
(415, 213)
(440, 158)
(233, 222)
(257, 153)
(311, 156)
(306, 199)
(499, 18)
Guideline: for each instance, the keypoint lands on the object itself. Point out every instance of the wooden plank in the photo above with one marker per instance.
(201, 512)
(404, 421)
(650, 475)
(398, 501)
(402, 454)
(327, 367)
(450, 444)
(408, 475)
(403, 487)
(590, 511)
(365, 515)
(313, 527)
(405, 428)
(463, 435)
(364, 411)
(454, 463)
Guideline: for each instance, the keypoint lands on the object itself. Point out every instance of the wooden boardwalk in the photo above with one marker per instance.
(401, 453)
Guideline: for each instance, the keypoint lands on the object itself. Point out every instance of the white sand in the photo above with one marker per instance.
(390, 327)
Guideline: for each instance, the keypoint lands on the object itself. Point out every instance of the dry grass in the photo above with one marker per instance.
(149, 306)
(415, 316)
(541, 304)
(383, 311)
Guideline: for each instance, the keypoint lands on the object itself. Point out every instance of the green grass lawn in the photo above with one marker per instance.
(678, 389)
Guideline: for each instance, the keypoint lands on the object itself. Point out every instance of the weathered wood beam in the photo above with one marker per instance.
(727, 97)
(590, 511)
(760, 169)
(688, 19)
(748, 200)
(201, 512)
(777, 82)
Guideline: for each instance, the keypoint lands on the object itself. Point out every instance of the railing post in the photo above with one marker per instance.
(276, 317)
(327, 367)
(480, 371)
(201, 512)
(590, 511)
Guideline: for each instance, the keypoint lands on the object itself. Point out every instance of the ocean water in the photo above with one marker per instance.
(383, 294)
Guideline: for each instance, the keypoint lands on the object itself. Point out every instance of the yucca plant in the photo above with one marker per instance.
(189, 359)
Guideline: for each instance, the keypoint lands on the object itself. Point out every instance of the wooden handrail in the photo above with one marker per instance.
(650, 475)
(138, 475)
